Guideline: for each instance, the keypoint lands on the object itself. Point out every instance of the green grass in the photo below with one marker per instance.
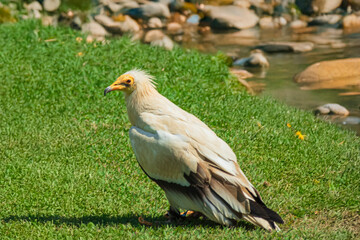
(67, 169)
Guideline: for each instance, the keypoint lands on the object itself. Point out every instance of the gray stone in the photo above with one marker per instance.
(256, 59)
(148, 10)
(330, 19)
(332, 109)
(319, 6)
(274, 47)
(51, 5)
(231, 17)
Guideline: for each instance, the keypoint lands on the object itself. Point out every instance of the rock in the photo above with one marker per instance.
(338, 45)
(272, 23)
(242, 3)
(231, 17)
(35, 14)
(320, 6)
(76, 23)
(325, 6)
(330, 71)
(330, 19)
(148, 10)
(158, 38)
(51, 5)
(137, 36)
(240, 73)
(318, 39)
(193, 19)
(155, 22)
(114, 7)
(267, 23)
(351, 21)
(49, 21)
(331, 109)
(127, 25)
(174, 28)
(153, 35)
(256, 59)
(33, 6)
(177, 17)
(355, 4)
(334, 74)
(95, 29)
(166, 43)
(273, 47)
(298, 24)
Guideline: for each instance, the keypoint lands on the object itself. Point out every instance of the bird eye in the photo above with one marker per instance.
(128, 81)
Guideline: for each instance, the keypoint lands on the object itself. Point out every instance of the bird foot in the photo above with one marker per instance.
(173, 216)
(192, 214)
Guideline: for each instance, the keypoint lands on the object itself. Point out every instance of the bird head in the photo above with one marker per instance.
(130, 81)
(123, 83)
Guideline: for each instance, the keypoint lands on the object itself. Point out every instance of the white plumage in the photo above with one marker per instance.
(197, 170)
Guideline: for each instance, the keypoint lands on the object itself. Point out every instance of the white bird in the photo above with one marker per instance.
(197, 170)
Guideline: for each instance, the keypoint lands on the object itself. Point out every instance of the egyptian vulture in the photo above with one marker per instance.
(197, 170)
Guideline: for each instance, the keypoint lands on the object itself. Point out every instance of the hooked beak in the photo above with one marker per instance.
(108, 89)
(117, 85)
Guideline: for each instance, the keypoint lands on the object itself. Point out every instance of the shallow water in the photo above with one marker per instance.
(277, 81)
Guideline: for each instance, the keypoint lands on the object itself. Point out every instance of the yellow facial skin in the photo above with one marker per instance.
(123, 83)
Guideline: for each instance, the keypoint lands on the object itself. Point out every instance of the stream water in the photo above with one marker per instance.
(277, 80)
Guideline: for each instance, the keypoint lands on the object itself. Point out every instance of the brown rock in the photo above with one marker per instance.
(332, 74)
(155, 22)
(51, 5)
(153, 35)
(174, 28)
(330, 71)
(351, 21)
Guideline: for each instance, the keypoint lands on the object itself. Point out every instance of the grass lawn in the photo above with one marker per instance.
(67, 169)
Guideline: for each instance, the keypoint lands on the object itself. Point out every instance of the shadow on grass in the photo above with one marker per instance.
(106, 220)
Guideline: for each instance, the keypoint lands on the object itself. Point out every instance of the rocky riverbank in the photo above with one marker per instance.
(166, 23)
